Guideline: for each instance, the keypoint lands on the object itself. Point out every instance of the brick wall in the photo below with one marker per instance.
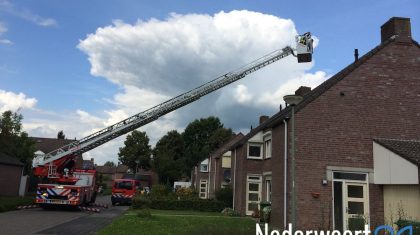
(244, 167)
(381, 100)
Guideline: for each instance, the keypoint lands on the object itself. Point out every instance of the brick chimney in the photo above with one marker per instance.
(302, 91)
(263, 119)
(396, 26)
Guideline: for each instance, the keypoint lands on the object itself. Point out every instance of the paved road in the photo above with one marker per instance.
(39, 221)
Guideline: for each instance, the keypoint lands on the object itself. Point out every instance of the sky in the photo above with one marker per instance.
(79, 66)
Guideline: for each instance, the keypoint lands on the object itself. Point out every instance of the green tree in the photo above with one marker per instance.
(109, 163)
(201, 137)
(61, 135)
(168, 157)
(15, 142)
(136, 151)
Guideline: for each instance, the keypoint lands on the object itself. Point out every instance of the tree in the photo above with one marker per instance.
(168, 157)
(13, 141)
(136, 151)
(61, 135)
(109, 163)
(201, 137)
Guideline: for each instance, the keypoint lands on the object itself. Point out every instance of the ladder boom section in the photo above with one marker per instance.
(149, 115)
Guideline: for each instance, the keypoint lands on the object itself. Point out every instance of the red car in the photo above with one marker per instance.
(124, 190)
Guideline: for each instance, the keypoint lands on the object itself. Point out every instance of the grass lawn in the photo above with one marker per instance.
(10, 203)
(179, 222)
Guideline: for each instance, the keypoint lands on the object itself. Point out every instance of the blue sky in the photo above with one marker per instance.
(41, 55)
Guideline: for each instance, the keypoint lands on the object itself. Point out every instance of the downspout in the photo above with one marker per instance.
(209, 182)
(214, 177)
(234, 180)
(285, 176)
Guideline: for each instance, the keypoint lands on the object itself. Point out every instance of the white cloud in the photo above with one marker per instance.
(4, 29)
(26, 14)
(157, 59)
(154, 60)
(13, 101)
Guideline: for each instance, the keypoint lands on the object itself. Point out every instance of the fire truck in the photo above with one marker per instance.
(67, 184)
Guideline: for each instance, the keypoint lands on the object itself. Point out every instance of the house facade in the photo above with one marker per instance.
(215, 172)
(342, 128)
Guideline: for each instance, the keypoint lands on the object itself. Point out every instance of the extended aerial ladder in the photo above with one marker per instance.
(57, 164)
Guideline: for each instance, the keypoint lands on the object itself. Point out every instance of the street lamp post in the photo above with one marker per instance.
(137, 166)
(293, 100)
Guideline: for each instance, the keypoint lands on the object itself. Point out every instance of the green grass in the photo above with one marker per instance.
(179, 222)
(10, 203)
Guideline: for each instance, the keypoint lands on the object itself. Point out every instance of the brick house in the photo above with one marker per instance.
(11, 170)
(109, 173)
(348, 135)
(215, 172)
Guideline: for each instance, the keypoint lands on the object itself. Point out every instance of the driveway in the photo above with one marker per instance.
(39, 221)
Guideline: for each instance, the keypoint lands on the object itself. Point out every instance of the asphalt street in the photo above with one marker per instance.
(39, 221)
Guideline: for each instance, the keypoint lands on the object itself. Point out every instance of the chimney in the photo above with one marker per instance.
(396, 26)
(302, 91)
(263, 119)
(356, 55)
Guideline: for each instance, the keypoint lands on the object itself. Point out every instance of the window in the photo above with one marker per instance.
(254, 151)
(203, 189)
(226, 162)
(268, 190)
(267, 146)
(204, 168)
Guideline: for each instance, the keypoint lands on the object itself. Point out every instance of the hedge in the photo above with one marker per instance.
(416, 225)
(182, 205)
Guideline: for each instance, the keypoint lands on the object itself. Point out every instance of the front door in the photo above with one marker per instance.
(253, 194)
(355, 205)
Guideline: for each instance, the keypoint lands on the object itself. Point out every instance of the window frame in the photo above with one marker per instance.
(254, 144)
(207, 168)
(268, 138)
(202, 181)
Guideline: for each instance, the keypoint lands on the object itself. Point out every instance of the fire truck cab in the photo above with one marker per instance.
(124, 190)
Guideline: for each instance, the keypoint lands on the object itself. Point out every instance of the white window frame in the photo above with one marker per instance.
(201, 169)
(255, 144)
(255, 179)
(344, 182)
(268, 151)
(268, 194)
(205, 189)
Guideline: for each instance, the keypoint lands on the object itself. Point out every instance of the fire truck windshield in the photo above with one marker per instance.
(123, 185)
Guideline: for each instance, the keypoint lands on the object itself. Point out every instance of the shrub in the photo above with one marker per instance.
(141, 202)
(186, 193)
(230, 212)
(225, 195)
(159, 191)
(401, 223)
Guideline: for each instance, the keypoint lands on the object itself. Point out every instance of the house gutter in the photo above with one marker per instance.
(285, 176)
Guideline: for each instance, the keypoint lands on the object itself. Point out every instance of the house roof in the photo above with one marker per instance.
(105, 169)
(408, 149)
(7, 160)
(111, 169)
(278, 118)
(47, 145)
(220, 151)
